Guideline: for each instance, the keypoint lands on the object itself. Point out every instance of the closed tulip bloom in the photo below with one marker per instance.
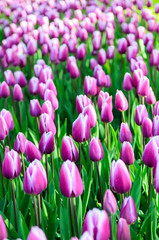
(128, 210)
(155, 126)
(17, 93)
(51, 86)
(81, 51)
(140, 114)
(154, 58)
(150, 98)
(9, 78)
(36, 234)
(121, 103)
(34, 86)
(147, 128)
(101, 78)
(45, 74)
(69, 150)
(120, 180)
(19, 144)
(32, 46)
(35, 179)
(93, 63)
(150, 47)
(96, 43)
(46, 124)
(98, 229)
(156, 109)
(131, 52)
(152, 25)
(155, 174)
(74, 70)
(125, 133)
(109, 202)
(127, 153)
(11, 167)
(110, 52)
(46, 144)
(81, 128)
(122, 45)
(4, 130)
(150, 152)
(143, 87)
(127, 83)
(50, 95)
(90, 86)
(92, 116)
(140, 32)
(96, 152)
(3, 232)
(106, 112)
(71, 184)
(123, 231)
(35, 108)
(32, 152)
(8, 118)
(47, 108)
(104, 97)
(20, 78)
(4, 90)
(137, 75)
(102, 57)
(63, 52)
(81, 102)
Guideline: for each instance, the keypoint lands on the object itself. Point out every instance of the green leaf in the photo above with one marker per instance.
(64, 227)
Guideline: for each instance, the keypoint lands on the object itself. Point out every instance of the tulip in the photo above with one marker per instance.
(109, 202)
(98, 229)
(34, 86)
(17, 93)
(9, 78)
(8, 119)
(156, 109)
(140, 114)
(20, 78)
(92, 116)
(127, 153)
(96, 152)
(3, 128)
(123, 231)
(63, 52)
(50, 95)
(104, 97)
(3, 232)
(127, 83)
(90, 86)
(51, 86)
(32, 152)
(150, 98)
(122, 45)
(36, 234)
(155, 126)
(154, 58)
(35, 108)
(110, 52)
(85, 236)
(46, 144)
(143, 87)
(74, 70)
(32, 46)
(81, 102)
(46, 124)
(19, 144)
(150, 47)
(121, 103)
(128, 210)
(156, 185)
(125, 133)
(131, 52)
(106, 111)
(93, 63)
(69, 150)
(4, 90)
(45, 74)
(137, 75)
(147, 128)
(102, 58)
(156, 8)
(81, 51)
(120, 180)
(47, 108)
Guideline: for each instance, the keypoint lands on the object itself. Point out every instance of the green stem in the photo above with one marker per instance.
(152, 110)
(123, 116)
(47, 173)
(100, 186)
(111, 227)
(35, 210)
(52, 165)
(129, 108)
(71, 219)
(23, 164)
(39, 209)
(108, 136)
(14, 205)
(75, 216)
(5, 103)
(142, 100)
(20, 115)
(150, 180)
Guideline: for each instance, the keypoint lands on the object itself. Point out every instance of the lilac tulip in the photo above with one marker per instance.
(46, 144)
(32, 152)
(109, 202)
(128, 210)
(69, 150)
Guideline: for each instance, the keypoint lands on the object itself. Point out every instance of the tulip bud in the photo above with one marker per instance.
(35, 108)
(46, 144)
(140, 114)
(4, 90)
(140, 32)
(81, 128)
(8, 119)
(143, 87)
(109, 202)
(63, 53)
(32, 46)
(150, 152)
(150, 47)
(157, 8)
(50, 95)
(17, 93)
(92, 116)
(19, 144)
(81, 102)
(125, 133)
(102, 58)
(3, 232)
(106, 111)
(100, 227)
(154, 58)
(128, 210)
(81, 51)
(34, 86)
(147, 128)
(104, 97)
(74, 70)
(35, 179)
(47, 108)
(137, 75)
(127, 83)
(3, 128)
(97, 43)
(96, 152)
(69, 150)
(32, 152)
(120, 180)
(155, 126)
(123, 231)
(110, 52)
(122, 45)
(71, 184)
(51, 86)
(155, 174)
(45, 74)
(20, 78)
(90, 86)
(46, 124)
(121, 103)
(9, 77)
(93, 63)
(11, 167)
(127, 153)
(150, 98)
(131, 52)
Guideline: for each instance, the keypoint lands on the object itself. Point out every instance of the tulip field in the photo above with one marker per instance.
(79, 119)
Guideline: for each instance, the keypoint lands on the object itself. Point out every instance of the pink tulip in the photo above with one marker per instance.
(81, 102)
(19, 144)
(127, 153)
(47, 108)
(91, 113)
(147, 128)
(17, 93)
(9, 78)
(36, 234)
(123, 231)
(90, 86)
(127, 83)
(140, 114)
(20, 78)
(34, 86)
(46, 144)
(68, 149)
(4, 90)
(46, 124)
(96, 152)
(121, 103)
(143, 87)
(35, 108)
(32, 152)
(109, 202)
(128, 210)
(150, 98)
(4, 130)
(3, 232)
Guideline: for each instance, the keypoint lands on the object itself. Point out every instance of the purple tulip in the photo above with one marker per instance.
(19, 144)
(155, 126)
(110, 52)
(35, 179)
(93, 63)
(121, 103)
(46, 124)
(140, 32)
(154, 58)
(74, 70)
(8, 119)
(102, 57)
(9, 78)
(81, 51)
(3, 232)
(85, 236)
(96, 152)
(50, 95)
(20, 78)
(122, 45)
(109, 202)
(81, 102)
(98, 229)
(155, 174)
(47, 108)
(150, 152)
(4, 90)
(143, 87)
(92, 116)
(51, 86)
(104, 97)
(46, 144)
(17, 93)
(69, 150)
(106, 111)
(45, 74)
(128, 210)
(127, 153)
(125, 133)
(156, 109)
(90, 86)
(34, 86)
(127, 83)
(36, 234)
(11, 167)
(4, 130)
(147, 128)
(120, 180)
(137, 75)
(63, 52)
(32, 152)
(140, 114)
(150, 98)
(123, 231)
(35, 108)
(131, 52)
(71, 184)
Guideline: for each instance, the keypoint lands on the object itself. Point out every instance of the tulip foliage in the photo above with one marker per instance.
(79, 119)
